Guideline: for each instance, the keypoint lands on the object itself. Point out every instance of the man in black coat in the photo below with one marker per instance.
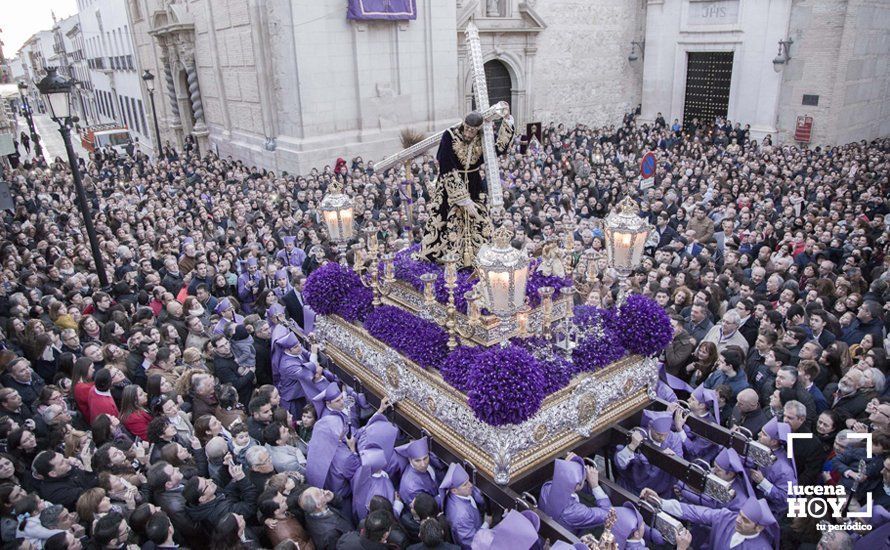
(372, 536)
(809, 454)
(61, 482)
(263, 347)
(164, 488)
(747, 412)
(227, 370)
(205, 507)
(325, 523)
(21, 377)
(849, 400)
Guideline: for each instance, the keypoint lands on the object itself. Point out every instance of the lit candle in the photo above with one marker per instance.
(388, 268)
(623, 240)
(330, 219)
(522, 321)
(500, 290)
(358, 261)
(346, 223)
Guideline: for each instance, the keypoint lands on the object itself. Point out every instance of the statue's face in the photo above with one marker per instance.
(470, 132)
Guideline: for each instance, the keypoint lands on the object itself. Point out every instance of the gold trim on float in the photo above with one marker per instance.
(549, 444)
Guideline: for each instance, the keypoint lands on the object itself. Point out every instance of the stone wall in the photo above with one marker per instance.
(841, 53)
(582, 73)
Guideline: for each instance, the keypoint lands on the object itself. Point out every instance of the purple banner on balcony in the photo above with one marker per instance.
(393, 10)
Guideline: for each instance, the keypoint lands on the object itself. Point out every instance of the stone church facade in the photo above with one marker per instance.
(293, 84)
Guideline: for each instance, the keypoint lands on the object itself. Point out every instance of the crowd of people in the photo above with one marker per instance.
(178, 408)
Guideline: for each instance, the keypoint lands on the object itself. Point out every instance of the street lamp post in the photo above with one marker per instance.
(149, 80)
(57, 90)
(35, 139)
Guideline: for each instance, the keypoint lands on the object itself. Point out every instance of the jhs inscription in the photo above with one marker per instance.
(720, 12)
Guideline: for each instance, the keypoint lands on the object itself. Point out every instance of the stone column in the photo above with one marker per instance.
(170, 82)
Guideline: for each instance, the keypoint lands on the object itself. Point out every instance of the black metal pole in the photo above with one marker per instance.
(35, 139)
(154, 116)
(84, 207)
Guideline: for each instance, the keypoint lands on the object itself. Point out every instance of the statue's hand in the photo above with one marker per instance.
(472, 209)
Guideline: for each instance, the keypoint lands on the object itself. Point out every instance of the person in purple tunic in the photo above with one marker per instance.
(381, 433)
(331, 460)
(333, 400)
(705, 405)
(559, 498)
(634, 470)
(728, 466)
(752, 528)
(668, 385)
(250, 284)
(772, 481)
(631, 532)
(275, 316)
(282, 284)
(227, 315)
(290, 256)
(516, 531)
(370, 480)
(290, 360)
(419, 476)
(462, 502)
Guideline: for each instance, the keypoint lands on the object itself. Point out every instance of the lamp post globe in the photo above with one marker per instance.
(57, 90)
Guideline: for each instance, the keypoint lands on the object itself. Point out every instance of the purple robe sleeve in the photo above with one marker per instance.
(465, 520)
(779, 474)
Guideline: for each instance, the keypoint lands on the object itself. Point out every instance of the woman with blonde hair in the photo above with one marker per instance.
(74, 443)
(91, 504)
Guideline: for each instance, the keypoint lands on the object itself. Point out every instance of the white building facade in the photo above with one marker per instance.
(294, 84)
(766, 63)
(117, 93)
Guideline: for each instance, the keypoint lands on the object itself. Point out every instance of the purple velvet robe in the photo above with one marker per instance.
(779, 474)
(279, 332)
(220, 326)
(464, 518)
(294, 258)
(247, 296)
(639, 473)
(365, 486)
(741, 495)
(329, 462)
(722, 523)
(697, 446)
(414, 482)
(575, 516)
(288, 384)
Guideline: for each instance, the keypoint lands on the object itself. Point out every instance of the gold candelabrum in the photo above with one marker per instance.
(369, 275)
(449, 321)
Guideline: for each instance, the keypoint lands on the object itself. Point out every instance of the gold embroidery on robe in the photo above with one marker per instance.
(467, 153)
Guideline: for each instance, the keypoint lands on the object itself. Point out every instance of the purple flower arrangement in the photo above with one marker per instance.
(423, 342)
(591, 317)
(357, 304)
(642, 326)
(538, 280)
(506, 386)
(557, 370)
(601, 346)
(333, 289)
(456, 368)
